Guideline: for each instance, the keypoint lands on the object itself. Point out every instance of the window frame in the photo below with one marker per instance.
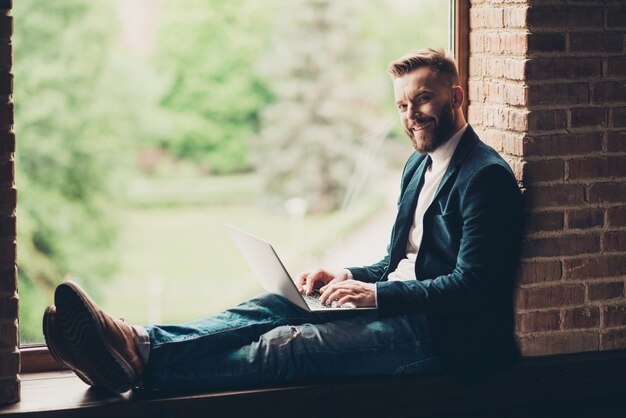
(37, 358)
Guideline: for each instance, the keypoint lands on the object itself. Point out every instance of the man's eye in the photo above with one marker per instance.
(423, 99)
(402, 107)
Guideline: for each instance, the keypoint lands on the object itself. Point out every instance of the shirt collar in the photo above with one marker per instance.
(444, 151)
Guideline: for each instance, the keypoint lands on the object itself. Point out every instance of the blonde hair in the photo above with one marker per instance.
(435, 59)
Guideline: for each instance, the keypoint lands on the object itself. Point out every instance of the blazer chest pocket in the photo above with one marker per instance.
(447, 230)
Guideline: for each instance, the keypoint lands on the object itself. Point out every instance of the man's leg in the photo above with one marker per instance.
(299, 347)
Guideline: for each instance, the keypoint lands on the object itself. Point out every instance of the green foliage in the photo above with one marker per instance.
(74, 135)
(208, 50)
(311, 135)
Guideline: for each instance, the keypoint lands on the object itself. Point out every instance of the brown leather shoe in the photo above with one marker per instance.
(63, 352)
(107, 345)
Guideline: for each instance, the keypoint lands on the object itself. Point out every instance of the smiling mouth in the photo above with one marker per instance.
(422, 126)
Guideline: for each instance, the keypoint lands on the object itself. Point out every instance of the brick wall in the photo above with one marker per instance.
(9, 355)
(547, 88)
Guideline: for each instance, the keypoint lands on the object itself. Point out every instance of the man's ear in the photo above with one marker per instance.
(457, 96)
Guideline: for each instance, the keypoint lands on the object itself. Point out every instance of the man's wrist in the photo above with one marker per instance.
(348, 274)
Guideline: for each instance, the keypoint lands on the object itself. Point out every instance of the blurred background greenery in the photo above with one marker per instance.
(145, 125)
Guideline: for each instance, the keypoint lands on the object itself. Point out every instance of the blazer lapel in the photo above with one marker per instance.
(467, 142)
(407, 206)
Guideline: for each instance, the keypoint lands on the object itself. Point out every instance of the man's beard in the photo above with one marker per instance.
(429, 139)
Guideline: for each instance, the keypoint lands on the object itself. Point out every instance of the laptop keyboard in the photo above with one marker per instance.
(313, 301)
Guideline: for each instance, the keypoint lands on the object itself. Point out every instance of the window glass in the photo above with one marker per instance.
(144, 126)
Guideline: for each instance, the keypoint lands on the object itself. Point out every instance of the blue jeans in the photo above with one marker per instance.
(269, 340)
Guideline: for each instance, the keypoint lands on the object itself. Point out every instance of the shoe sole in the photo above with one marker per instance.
(83, 331)
(47, 318)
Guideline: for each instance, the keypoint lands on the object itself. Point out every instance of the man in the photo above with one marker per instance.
(443, 291)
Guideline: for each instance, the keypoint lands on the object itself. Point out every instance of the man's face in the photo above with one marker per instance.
(424, 101)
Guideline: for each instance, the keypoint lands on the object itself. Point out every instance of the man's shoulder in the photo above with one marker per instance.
(483, 157)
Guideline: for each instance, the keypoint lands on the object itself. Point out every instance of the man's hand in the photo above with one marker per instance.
(360, 294)
(317, 278)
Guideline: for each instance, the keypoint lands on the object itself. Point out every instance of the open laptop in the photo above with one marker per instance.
(271, 273)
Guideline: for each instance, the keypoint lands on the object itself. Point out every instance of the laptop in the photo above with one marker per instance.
(274, 278)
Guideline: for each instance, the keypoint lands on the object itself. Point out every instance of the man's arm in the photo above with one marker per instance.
(491, 215)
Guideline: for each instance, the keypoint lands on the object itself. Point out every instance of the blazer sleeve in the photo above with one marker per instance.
(491, 216)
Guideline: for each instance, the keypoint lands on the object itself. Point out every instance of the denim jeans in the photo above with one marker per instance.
(269, 340)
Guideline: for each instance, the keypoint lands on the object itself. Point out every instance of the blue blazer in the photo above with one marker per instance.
(467, 261)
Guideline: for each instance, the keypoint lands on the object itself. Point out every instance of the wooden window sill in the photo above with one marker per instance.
(573, 385)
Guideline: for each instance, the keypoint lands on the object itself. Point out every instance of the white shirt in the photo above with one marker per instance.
(441, 158)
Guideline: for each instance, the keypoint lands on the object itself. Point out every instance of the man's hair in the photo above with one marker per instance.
(435, 59)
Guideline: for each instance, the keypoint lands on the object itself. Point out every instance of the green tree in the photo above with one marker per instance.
(311, 135)
(208, 50)
(74, 133)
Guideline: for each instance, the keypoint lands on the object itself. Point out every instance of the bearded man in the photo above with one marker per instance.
(443, 291)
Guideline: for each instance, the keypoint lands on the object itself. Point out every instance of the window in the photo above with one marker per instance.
(145, 126)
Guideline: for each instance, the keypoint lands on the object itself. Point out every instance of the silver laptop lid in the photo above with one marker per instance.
(266, 265)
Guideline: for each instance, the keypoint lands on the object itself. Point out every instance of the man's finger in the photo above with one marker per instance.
(301, 280)
(310, 281)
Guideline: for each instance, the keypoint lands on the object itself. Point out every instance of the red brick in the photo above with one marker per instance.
(547, 120)
(7, 171)
(594, 267)
(513, 144)
(537, 321)
(558, 93)
(8, 199)
(605, 291)
(10, 390)
(583, 317)
(616, 17)
(7, 142)
(8, 252)
(567, 144)
(607, 193)
(539, 271)
(609, 91)
(6, 83)
(616, 66)
(8, 227)
(562, 245)
(591, 167)
(6, 113)
(515, 17)
(617, 216)
(557, 195)
(9, 307)
(550, 296)
(616, 141)
(546, 42)
(8, 336)
(6, 55)
(8, 278)
(614, 316)
(619, 117)
(486, 17)
(555, 17)
(543, 221)
(614, 241)
(596, 42)
(559, 343)
(9, 364)
(585, 218)
(592, 116)
(563, 67)
(6, 26)
(543, 170)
